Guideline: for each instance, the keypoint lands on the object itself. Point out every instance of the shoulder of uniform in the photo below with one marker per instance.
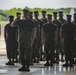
(7, 24)
(41, 20)
(31, 20)
(65, 20)
(74, 24)
(45, 24)
(64, 24)
(35, 20)
(20, 20)
(59, 21)
(54, 24)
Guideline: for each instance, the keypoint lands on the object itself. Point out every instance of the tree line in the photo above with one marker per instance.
(49, 11)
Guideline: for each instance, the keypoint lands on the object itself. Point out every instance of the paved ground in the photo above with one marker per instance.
(37, 69)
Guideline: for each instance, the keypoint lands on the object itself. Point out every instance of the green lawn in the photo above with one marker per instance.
(3, 22)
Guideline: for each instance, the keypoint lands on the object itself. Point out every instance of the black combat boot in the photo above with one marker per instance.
(23, 68)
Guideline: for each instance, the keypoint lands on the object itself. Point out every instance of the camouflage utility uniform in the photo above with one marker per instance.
(11, 40)
(25, 32)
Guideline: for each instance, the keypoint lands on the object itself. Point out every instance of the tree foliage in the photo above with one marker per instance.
(13, 11)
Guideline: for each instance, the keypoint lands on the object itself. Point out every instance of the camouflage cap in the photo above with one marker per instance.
(43, 12)
(11, 16)
(18, 13)
(69, 16)
(60, 12)
(25, 10)
(35, 12)
(49, 16)
(55, 13)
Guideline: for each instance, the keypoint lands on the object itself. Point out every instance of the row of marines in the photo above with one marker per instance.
(25, 38)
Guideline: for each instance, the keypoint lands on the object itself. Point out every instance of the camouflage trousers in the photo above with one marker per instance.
(49, 50)
(25, 52)
(11, 48)
(69, 49)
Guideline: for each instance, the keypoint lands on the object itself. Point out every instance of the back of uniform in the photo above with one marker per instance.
(68, 30)
(11, 41)
(49, 32)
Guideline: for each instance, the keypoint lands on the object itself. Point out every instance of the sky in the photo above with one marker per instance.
(8, 4)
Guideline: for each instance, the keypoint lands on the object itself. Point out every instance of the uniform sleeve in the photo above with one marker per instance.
(17, 23)
(43, 27)
(42, 23)
(55, 27)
